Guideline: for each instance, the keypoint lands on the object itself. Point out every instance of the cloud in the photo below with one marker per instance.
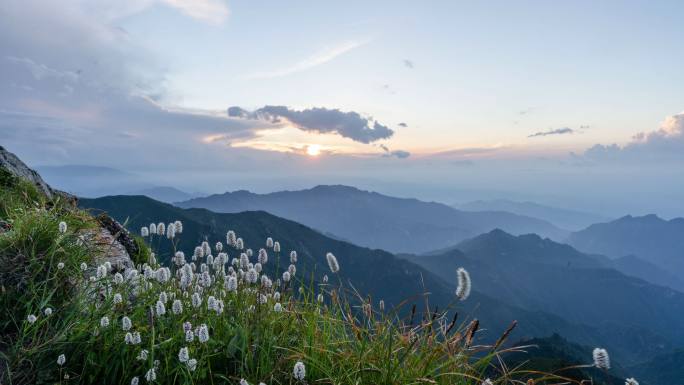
(321, 57)
(321, 120)
(401, 154)
(558, 131)
(664, 144)
(212, 11)
(402, 124)
(408, 63)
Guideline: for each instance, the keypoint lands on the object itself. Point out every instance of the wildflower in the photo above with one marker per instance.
(205, 248)
(197, 254)
(117, 299)
(463, 289)
(118, 278)
(160, 308)
(301, 290)
(239, 244)
(84, 266)
(266, 282)
(177, 307)
(47, 311)
(163, 274)
(128, 338)
(62, 358)
(276, 247)
(263, 256)
(210, 259)
(292, 269)
(161, 229)
(126, 323)
(286, 276)
(319, 298)
(211, 302)
(192, 364)
(258, 267)
(631, 381)
(153, 228)
(601, 358)
(196, 300)
(243, 382)
(142, 356)
(252, 276)
(62, 227)
(163, 297)
(332, 262)
(244, 261)
(179, 258)
(189, 335)
(230, 238)
(134, 381)
(183, 354)
(487, 382)
(144, 231)
(101, 272)
(179, 226)
(187, 326)
(136, 338)
(151, 375)
(231, 284)
(277, 307)
(276, 296)
(218, 246)
(293, 256)
(60, 265)
(299, 371)
(262, 299)
(104, 321)
(203, 333)
(269, 242)
(382, 305)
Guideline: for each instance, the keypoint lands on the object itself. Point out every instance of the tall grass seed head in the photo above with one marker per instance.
(332, 262)
(464, 284)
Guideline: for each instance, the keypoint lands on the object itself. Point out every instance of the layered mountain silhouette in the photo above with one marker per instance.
(563, 218)
(650, 238)
(499, 296)
(375, 220)
(539, 274)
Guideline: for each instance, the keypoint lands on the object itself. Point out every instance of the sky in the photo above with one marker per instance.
(575, 104)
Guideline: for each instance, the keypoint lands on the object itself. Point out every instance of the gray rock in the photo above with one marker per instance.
(15, 166)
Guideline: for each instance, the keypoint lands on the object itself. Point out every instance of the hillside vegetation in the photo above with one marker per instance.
(210, 316)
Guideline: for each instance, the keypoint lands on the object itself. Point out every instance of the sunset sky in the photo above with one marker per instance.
(576, 103)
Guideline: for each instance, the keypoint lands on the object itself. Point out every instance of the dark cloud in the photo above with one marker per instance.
(400, 154)
(321, 120)
(408, 63)
(402, 124)
(558, 131)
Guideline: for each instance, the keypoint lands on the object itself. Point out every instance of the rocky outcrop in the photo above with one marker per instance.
(15, 166)
(111, 241)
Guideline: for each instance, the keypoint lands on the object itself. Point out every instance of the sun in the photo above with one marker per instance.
(313, 150)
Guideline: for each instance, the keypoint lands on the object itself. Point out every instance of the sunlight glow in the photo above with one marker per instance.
(313, 150)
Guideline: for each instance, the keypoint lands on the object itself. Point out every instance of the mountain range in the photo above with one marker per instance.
(563, 218)
(374, 220)
(650, 238)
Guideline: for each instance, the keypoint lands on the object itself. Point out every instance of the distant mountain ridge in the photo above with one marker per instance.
(649, 237)
(374, 220)
(563, 218)
(539, 274)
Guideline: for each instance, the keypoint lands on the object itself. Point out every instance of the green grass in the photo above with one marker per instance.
(341, 340)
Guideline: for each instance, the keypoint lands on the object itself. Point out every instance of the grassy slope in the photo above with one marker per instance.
(247, 339)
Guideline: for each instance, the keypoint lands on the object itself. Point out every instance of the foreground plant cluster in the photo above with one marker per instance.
(222, 314)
